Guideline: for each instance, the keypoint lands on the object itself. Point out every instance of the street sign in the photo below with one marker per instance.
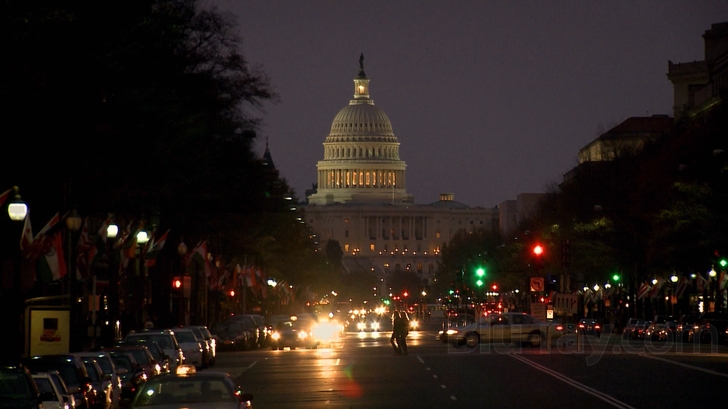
(537, 284)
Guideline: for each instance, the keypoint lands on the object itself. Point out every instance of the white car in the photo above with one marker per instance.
(506, 328)
(192, 347)
(53, 391)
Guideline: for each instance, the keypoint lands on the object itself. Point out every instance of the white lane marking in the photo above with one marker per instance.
(443, 386)
(248, 367)
(420, 359)
(434, 376)
(603, 396)
(697, 368)
(453, 397)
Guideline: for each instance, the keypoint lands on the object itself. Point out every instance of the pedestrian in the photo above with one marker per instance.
(393, 338)
(401, 328)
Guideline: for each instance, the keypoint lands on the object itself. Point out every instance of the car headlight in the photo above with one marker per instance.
(414, 324)
(302, 335)
(361, 326)
(375, 325)
(452, 332)
(276, 336)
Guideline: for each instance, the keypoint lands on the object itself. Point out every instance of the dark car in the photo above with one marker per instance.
(192, 389)
(685, 326)
(143, 356)
(711, 328)
(233, 335)
(293, 334)
(250, 324)
(132, 375)
(157, 352)
(72, 370)
(18, 390)
(100, 398)
(590, 326)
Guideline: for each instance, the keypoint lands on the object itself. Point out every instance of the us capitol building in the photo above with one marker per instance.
(360, 199)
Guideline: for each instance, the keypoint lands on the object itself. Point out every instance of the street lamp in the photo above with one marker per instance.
(17, 209)
(12, 299)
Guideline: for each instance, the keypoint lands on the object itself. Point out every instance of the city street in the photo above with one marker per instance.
(361, 371)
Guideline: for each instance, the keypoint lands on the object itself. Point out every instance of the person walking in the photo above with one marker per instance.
(401, 329)
(393, 338)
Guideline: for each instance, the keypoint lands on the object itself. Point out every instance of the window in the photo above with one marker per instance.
(371, 247)
(346, 248)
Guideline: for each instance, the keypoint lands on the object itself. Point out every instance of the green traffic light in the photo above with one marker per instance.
(480, 272)
(723, 262)
(615, 277)
(479, 283)
(452, 291)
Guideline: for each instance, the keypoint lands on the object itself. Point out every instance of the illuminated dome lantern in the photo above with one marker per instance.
(361, 154)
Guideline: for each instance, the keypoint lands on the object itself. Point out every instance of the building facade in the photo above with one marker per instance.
(360, 199)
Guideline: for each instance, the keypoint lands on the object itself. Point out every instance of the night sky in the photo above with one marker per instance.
(488, 99)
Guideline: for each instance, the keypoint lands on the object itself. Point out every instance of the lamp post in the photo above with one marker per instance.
(12, 294)
(185, 304)
(73, 225)
(112, 232)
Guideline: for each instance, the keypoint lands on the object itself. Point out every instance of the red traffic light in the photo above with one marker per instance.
(176, 282)
(538, 250)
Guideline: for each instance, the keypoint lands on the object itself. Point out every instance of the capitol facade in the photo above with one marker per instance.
(360, 199)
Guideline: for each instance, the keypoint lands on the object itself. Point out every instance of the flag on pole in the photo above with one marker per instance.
(700, 282)
(655, 291)
(682, 285)
(4, 196)
(52, 265)
(723, 280)
(152, 251)
(26, 239)
(643, 290)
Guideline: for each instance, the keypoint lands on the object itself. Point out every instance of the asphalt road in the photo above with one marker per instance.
(362, 371)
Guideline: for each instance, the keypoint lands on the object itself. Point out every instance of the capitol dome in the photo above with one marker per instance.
(361, 154)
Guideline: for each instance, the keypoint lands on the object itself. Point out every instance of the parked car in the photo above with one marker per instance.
(206, 353)
(54, 394)
(165, 338)
(72, 370)
(233, 335)
(132, 375)
(110, 372)
(157, 352)
(506, 328)
(143, 356)
(206, 335)
(18, 390)
(192, 347)
(100, 398)
(249, 324)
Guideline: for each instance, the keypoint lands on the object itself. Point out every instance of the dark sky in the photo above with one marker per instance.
(488, 99)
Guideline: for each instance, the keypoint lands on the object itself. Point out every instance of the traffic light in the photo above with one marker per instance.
(479, 274)
(176, 283)
(538, 250)
(723, 263)
(616, 278)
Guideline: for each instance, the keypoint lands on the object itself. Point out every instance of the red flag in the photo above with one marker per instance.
(701, 282)
(4, 196)
(152, 251)
(27, 238)
(682, 285)
(643, 290)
